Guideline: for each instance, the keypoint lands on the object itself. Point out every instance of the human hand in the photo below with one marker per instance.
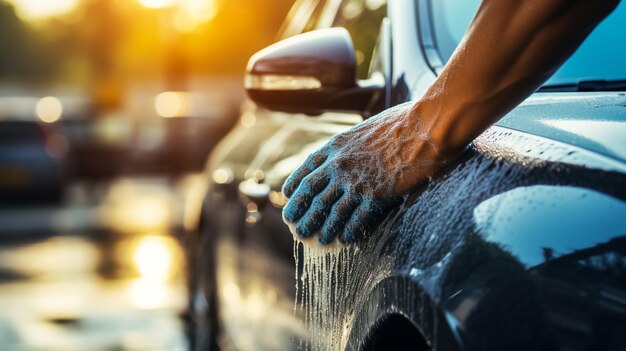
(350, 184)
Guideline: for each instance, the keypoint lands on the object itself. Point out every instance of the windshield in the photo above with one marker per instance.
(601, 57)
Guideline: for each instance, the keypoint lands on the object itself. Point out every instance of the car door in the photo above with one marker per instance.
(254, 254)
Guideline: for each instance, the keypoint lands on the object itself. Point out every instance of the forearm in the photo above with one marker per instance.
(509, 50)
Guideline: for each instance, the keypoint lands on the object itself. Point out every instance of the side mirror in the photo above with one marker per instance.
(311, 73)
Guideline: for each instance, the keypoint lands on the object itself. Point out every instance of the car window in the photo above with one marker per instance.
(303, 17)
(313, 21)
(601, 56)
(362, 18)
(20, 133)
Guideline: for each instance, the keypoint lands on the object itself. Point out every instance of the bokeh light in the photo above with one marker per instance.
(131, 208)
(57, 145)
(193, 13)
(222, 176)
(40, 9)
(171, 104)
(153, 258)
(248, 119)
(154, 4)
(49, 109)
(148, 294)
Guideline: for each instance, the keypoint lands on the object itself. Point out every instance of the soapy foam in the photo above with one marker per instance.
(322, 299)
(312, 241)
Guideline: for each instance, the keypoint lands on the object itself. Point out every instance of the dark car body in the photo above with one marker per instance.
(32, 162)
(520, 245)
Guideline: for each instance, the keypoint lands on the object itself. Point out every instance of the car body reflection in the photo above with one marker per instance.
(550, 258)
(541, 222)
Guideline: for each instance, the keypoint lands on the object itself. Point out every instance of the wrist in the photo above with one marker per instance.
(441, 123)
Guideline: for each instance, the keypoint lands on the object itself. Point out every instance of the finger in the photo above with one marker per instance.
(317, 213)
(367, 216)
(361, 220)
(355, 226)
(311, 164)
(299, 203)
(339, 215)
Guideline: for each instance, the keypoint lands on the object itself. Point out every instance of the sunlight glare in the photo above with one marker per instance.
(153, 258)
(155, 4)
(40, 9)
(148, 294)
(139, 214)
(156, 258)
(193, 13)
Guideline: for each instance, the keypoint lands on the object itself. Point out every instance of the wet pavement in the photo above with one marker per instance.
(103, 271)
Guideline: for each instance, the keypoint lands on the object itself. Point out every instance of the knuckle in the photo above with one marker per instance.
(314, 159)
(332, 223)
(295, 207)
(318, 203)
(358, 188)
(330, 231)
(309, 159)
(301, 230)
(288, 215)
(325, 238)
(330, 197)
(288, 186)
(287, 183)
(343, 163)
(294, 202)
(347, 237)
(353, 227)
(338, 139)
(318, 157)
(290, 211)
(308, 182)
(343, 206)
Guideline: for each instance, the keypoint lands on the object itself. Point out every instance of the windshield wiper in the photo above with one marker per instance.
(587, 85)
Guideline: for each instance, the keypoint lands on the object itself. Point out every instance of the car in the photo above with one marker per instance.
(519, 245)
(32, 162)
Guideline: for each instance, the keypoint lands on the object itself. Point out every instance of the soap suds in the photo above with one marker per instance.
(324, 298)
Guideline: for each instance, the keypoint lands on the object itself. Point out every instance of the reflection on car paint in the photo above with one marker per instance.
(608, 134)
(252, 307)
(591, 121)
(539, 222)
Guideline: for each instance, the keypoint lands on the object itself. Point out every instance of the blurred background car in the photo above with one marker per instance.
(32, 162)
(108, 111)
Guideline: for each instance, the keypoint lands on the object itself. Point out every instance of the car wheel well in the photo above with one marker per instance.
(396, 332)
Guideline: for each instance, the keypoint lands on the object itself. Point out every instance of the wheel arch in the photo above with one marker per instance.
(398, 309)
